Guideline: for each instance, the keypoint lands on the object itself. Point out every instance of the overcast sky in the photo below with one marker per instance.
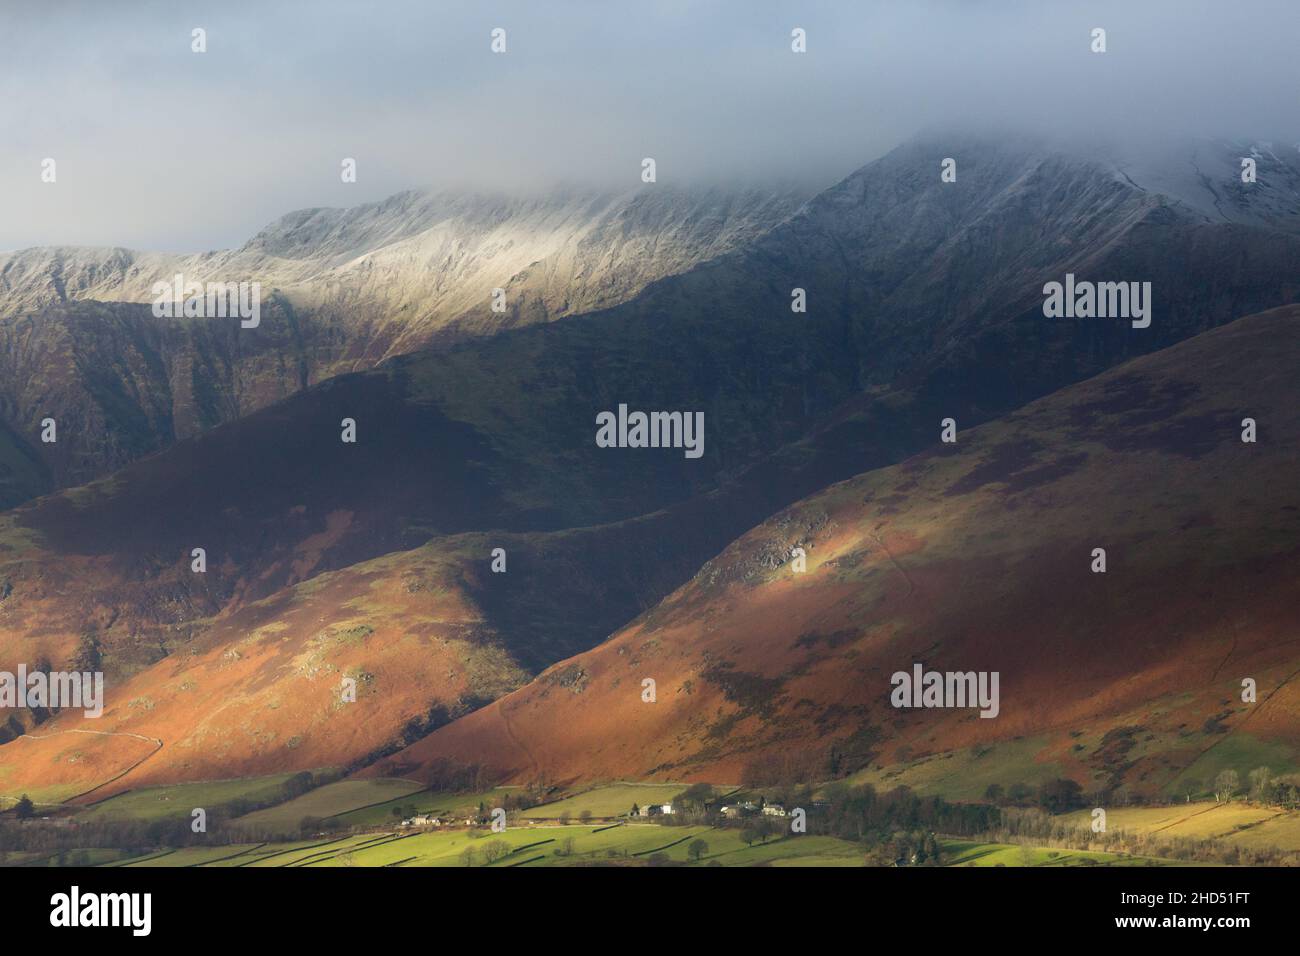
(161, 148)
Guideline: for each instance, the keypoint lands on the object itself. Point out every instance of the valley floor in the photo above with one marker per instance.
(552, 845)
(362, 824)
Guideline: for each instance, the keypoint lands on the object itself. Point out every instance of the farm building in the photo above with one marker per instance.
(422, 820)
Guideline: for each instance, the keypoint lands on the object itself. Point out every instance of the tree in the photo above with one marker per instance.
(88, 656)
(1261, 784)
(932, 850)
(1226, 785)
(297, 785)
(993, 792)
(768, 828)
(919, 855)
(750, 835)
(25, 809)
(697, 849)
(636, 811)
(1058, 796)
(584, 816)
(696, 795)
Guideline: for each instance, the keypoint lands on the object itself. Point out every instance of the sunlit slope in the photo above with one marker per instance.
(975, 556)
(426, 634)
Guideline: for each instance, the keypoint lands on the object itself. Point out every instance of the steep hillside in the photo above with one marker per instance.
(906, 277)
(342, 290)
(976, 556)
(428, 634)
(924, 303)
(418, 263)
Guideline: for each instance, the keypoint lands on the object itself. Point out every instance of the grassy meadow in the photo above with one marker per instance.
(359, 826)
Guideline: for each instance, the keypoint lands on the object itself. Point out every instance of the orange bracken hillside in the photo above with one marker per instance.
(974, 556)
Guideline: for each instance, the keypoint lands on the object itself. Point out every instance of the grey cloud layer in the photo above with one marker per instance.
(161, 148)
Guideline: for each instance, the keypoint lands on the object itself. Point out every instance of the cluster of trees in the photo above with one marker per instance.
(490, 852)
(584, 817)
(25, 809)
(1061, 796)
(896, 824)
(295, 786)
(696, 850)
(442, 774)
(1054, 796)
(860, 813)
(906, 848)
(761, 829)
(1261, 785)
(61, 834)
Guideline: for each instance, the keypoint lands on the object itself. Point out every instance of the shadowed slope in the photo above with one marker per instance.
(499, 434)
(973, 557)
(341, 289)
(427, 634)
(905, 276)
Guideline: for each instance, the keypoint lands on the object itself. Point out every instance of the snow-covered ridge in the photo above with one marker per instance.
(425, 260)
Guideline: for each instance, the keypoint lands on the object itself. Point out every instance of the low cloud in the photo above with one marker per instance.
(161, 148)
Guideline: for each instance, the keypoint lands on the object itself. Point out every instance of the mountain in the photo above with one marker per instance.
(924, 303)
(421, 263)
(905, 276)
(342, 290)
(975, 556)
(427, 634)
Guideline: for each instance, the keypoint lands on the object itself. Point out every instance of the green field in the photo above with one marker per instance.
(1235, 822)
(964, 775)
(454, 805)
(623, 844)
(612, 800)
(962, 853)
(628, 843)
(535, 837)
(1281, 831)
(186, 856)
(1241, 752)
(90, 857)
(178, 800)
(331, 800)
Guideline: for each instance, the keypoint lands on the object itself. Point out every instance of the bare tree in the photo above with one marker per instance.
(1261, 784)
(1226, 785)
